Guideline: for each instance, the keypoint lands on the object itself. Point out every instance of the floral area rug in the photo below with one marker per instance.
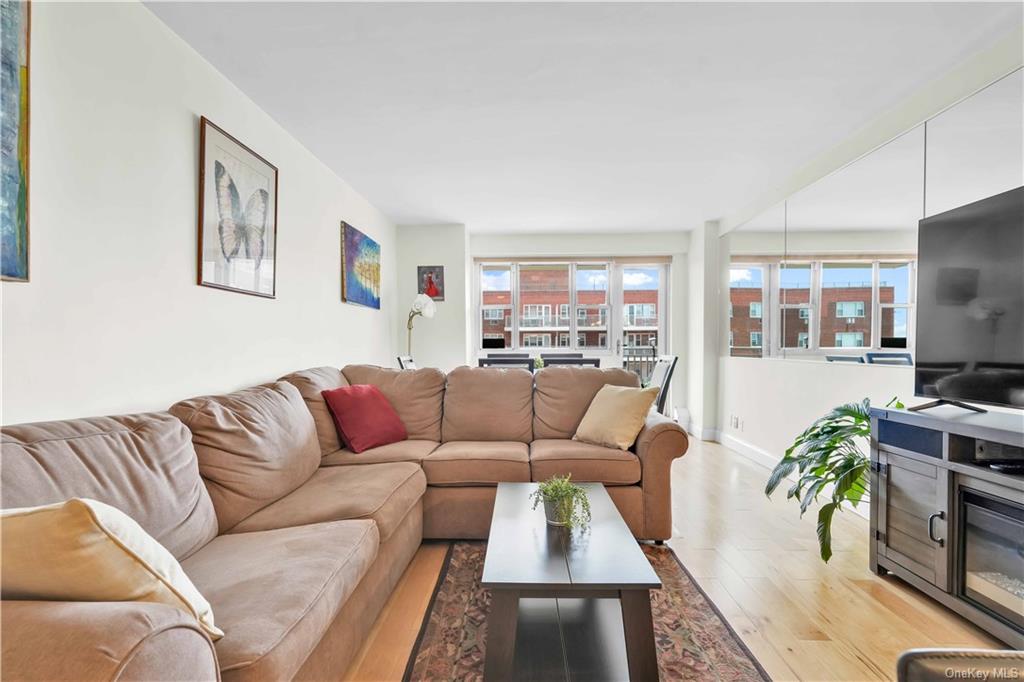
(694, 641)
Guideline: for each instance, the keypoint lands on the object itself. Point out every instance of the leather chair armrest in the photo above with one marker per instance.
(660, 442)
(124, 641)
(928, 665)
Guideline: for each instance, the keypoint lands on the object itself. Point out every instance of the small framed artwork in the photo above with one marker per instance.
(237, 215)
(431, 281)
(360, 268)
(15, 20)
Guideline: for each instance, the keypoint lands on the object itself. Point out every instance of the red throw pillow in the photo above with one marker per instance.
(364, 417)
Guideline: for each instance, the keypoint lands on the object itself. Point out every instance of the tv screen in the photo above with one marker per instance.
(970, 303)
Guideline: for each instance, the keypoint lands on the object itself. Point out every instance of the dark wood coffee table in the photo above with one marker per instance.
(528, 559)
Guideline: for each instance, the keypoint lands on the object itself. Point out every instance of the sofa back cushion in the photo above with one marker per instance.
(311, 384)
(563, 395)
(254, 446)
(142, 464)
(416, 395)
(484, 403)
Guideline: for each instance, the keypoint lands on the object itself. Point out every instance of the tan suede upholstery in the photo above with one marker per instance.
(311, 384)
(478, 463)
(416, 395)
(583, 461)
(458, 512)
(46, 641)
(629, 500)
(142, 464)
(563, 395)
(254, 446)
(276, 592)
(343, 639)
(382, 492)
(482, 403)
(660, 442)
(402, 451)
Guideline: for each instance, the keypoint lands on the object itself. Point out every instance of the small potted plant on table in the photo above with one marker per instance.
(565, 503)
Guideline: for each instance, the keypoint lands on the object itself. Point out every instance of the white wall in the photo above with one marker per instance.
(112, 320)
(441, 341)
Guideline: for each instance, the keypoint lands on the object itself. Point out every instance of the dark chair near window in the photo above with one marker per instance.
(406, 362)
(525, 363)
(580, 361)
(890, 359)
(508, 355)
(857, 359)
(661, 376)
(545, 356)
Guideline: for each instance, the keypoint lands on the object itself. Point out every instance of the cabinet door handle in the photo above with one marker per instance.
(931, 531)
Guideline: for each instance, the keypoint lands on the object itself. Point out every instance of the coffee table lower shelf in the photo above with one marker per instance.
(570, 634)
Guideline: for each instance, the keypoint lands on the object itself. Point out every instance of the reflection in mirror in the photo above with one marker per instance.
(753, 249)
(975, 147)
(851, 238)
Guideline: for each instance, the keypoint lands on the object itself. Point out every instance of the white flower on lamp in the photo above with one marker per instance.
(421, 305)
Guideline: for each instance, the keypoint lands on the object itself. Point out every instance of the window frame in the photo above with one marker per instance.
(772, 321)
(613, 309)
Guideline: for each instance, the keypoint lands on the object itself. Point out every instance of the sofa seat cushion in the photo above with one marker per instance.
(471, 462)
(585, 462)
(276, 592)
(404, 451)
(384, 493)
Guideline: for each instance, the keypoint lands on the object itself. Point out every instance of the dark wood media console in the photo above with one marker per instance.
(945, 521)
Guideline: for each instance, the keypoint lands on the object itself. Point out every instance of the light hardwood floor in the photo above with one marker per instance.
(758, 561)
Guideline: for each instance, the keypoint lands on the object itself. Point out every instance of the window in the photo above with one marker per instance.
(746, 288)
(570, 305)
(795, 303)
(894, 281)
(849, 339)
(496, 305)
(802, 339)
(845, 288)
(755, 310)
(850, 309)
(537, 340)
(755, 339)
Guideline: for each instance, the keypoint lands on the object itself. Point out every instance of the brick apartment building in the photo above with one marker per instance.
(845, 318)
(544, 310)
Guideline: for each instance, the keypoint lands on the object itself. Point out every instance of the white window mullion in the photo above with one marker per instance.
(876, 307)
(514, 275)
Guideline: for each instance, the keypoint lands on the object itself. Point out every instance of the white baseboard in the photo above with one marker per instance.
(767, 459)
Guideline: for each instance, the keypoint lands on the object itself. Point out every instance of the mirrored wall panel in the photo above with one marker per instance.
(831, 273)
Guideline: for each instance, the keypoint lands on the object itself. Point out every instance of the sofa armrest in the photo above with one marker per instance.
(660, 442)
(54, 640)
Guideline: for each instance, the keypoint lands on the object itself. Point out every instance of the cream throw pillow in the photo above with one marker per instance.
(615, 416)
(84, 550)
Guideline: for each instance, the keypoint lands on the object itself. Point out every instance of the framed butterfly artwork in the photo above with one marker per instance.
(237, 215)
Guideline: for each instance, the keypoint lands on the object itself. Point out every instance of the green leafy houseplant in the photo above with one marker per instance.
(565, 503)
(827, 458)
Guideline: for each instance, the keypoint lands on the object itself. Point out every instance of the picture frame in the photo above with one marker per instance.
(16, 22)
(430, 281)
(360, 268)
(237, 232)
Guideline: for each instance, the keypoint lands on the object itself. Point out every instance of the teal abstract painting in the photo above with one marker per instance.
(14, 56)
(360, 268)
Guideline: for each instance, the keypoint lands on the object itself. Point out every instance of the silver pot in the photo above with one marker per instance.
(556, 511)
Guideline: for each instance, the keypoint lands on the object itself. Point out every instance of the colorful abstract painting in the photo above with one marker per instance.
(360, 268)
(14, 56)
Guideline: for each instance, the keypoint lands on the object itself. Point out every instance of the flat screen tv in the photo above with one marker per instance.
(970, 303)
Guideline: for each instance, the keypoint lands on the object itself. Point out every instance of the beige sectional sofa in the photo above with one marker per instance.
(295, 541)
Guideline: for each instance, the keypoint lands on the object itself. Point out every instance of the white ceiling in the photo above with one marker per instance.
(555, 117)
